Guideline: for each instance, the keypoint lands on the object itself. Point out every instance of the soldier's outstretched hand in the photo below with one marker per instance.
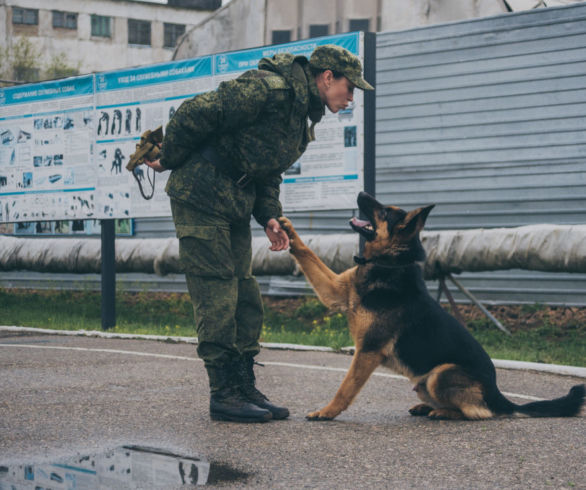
(277, 236)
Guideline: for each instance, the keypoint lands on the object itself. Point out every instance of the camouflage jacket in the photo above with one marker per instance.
(258, 122)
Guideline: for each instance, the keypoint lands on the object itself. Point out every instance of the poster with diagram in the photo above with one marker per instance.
(128, 102)
(46, 167)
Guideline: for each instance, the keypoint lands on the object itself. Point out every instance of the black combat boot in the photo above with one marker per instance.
(227, 401)
(248, 388)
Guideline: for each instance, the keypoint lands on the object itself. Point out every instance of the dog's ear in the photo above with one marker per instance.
(415, 220)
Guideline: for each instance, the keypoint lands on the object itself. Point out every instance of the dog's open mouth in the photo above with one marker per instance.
(363, 227)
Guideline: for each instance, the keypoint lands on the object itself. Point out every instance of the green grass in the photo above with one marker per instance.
(309, 324)
(546, 343)
(306, 322)
(139, 313)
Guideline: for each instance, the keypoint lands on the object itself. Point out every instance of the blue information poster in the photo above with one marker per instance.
(64, 145)
(128, 102)
(46, 168)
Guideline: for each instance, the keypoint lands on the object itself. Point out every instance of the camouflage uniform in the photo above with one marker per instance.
(257, 125)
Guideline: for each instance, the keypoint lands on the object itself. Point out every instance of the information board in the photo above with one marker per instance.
(46, 165)
(128, 102)
(64, 145)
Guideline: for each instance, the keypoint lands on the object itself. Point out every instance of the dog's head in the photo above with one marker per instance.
(390, 231)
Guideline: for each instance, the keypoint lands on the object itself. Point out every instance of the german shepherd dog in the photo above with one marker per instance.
(395, 322)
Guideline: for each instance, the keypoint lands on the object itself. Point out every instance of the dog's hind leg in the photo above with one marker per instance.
(455, 395)
(425, 407)
(363, 364)
(446, 414)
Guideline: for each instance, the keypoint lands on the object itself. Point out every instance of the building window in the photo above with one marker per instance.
(359, 25)
(280, 37)
(172, 32)
(318, 30)
(64, 20)
(139, 32)
(101, 26)
(25, 16)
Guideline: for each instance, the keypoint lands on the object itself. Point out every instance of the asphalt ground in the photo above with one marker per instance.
(65, 396)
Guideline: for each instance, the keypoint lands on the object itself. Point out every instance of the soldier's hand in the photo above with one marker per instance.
(155, 165)
(277, 236)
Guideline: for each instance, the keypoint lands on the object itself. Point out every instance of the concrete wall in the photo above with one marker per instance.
(238, 25)
(249, 23)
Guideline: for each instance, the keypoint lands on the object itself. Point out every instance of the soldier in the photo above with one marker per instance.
(227, 149)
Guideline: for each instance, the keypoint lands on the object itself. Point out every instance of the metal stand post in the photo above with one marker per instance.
(455, 309)
(369, 119)
(471, 297)
(108, 274)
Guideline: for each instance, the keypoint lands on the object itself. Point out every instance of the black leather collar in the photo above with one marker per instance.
(364, 261)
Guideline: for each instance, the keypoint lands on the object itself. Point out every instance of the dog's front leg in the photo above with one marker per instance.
(363, 364)
(331, 288)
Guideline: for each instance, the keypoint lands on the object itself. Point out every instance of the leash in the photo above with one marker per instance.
(151, 183)
(146, 148)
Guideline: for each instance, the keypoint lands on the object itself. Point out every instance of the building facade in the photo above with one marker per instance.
(279, 21)
(244, 24)
(100, 35)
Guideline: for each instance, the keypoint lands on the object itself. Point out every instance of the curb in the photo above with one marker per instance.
(578, 372)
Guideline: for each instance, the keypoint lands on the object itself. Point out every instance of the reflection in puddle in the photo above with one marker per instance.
(129, 467)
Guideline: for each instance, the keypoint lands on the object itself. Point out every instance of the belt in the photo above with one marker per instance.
(240, 178)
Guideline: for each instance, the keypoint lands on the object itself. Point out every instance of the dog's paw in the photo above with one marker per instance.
(317, 416)
(288, 227)
(295, 242)
(421, 409)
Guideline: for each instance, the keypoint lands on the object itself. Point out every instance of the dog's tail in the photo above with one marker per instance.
(565, 406)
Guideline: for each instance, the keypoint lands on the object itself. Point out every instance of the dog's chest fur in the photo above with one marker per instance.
(377, 318)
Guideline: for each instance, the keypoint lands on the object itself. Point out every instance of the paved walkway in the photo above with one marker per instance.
(64, 396)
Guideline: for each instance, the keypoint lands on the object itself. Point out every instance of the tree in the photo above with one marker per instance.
(59, 67)
(20, 61)
(23, 60)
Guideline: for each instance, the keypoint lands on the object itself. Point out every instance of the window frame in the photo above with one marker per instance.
(64, 20)
(138, 33)
(22, 17)
(173, 35)
(280, 32)
(351, 29)
(97, 23)
(318, 27)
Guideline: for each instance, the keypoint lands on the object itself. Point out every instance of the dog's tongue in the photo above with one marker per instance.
(359, 222)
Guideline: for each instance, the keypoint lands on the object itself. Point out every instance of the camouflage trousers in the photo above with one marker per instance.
(216, 256)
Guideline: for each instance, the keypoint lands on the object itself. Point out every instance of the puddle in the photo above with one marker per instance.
(222, 473)
(128, 467)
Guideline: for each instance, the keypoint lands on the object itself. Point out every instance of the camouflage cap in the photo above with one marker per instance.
(336, 58)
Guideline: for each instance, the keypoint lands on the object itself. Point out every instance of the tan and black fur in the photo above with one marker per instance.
(395, 322)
